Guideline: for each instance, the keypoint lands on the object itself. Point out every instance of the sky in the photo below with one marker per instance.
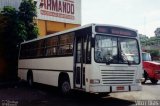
(142, 15)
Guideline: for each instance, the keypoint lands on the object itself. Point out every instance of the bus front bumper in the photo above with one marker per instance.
(114, 88)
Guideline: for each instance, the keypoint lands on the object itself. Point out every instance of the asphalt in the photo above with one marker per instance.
(40, 95)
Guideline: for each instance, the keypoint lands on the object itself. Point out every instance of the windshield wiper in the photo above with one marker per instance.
(124, 56)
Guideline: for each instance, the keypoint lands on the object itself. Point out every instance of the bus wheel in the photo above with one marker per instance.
(30, 79)
(145, 75)
(154, 81)
(65, 86)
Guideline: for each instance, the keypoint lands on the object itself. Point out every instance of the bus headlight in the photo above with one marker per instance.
(94, 81)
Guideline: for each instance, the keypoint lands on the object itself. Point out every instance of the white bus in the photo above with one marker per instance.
(92, 58)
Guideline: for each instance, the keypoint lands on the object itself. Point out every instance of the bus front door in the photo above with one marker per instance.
(79, 74)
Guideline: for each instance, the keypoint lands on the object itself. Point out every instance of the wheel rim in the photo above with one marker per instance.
(65, 87)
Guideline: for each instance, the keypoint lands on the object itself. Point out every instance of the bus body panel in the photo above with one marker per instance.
(55, 63)
(46, 73)
(22, 74)
(108, 73)
(87, 76)
(46, 77)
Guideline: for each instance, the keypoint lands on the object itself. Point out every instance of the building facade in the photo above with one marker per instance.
(53, 15)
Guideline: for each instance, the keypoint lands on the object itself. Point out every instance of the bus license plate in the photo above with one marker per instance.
(120, 88)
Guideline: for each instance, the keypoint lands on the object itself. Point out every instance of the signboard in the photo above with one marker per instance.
(67, 11)
(115, 31)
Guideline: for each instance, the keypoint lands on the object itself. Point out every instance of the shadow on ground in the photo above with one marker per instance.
(41, 95)
(149, 83)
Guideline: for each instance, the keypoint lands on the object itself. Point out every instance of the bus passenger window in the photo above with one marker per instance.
(51, 46)
(66, 44)
(40, 49)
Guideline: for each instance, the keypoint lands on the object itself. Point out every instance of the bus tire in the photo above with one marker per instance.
(154, 81)
(30, 78)
(64, 85)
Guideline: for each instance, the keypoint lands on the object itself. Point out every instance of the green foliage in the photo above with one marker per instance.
(3, 25)
(33, 32)
(27, 10)
(151, 41)
(9, 39)
(27, 13)
(155, 54)
(21, 29)
(15, 27)
(9, 11)
(10, 33)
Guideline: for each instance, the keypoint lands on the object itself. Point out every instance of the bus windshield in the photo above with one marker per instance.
(146, 57)
(116, 50)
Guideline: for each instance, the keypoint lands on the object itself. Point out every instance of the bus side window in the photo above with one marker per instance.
(40, 49)
(66, 44)
(52, 46)
(31, 50)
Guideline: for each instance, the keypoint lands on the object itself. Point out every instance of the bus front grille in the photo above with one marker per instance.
(114, 77)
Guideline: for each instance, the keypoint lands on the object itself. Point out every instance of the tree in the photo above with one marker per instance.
(157, 32)
(15, 27)
(11, 31)
(154, 53)
(27, 13)
(9, 40)
(3, 24)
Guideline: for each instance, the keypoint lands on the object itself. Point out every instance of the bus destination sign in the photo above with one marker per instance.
(115, 31)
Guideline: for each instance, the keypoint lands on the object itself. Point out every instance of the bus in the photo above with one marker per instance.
(94, 58)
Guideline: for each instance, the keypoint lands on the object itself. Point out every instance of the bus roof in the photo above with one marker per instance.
(77, 28)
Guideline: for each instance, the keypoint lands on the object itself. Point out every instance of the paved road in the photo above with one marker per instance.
(49, 96)
(149, 92)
